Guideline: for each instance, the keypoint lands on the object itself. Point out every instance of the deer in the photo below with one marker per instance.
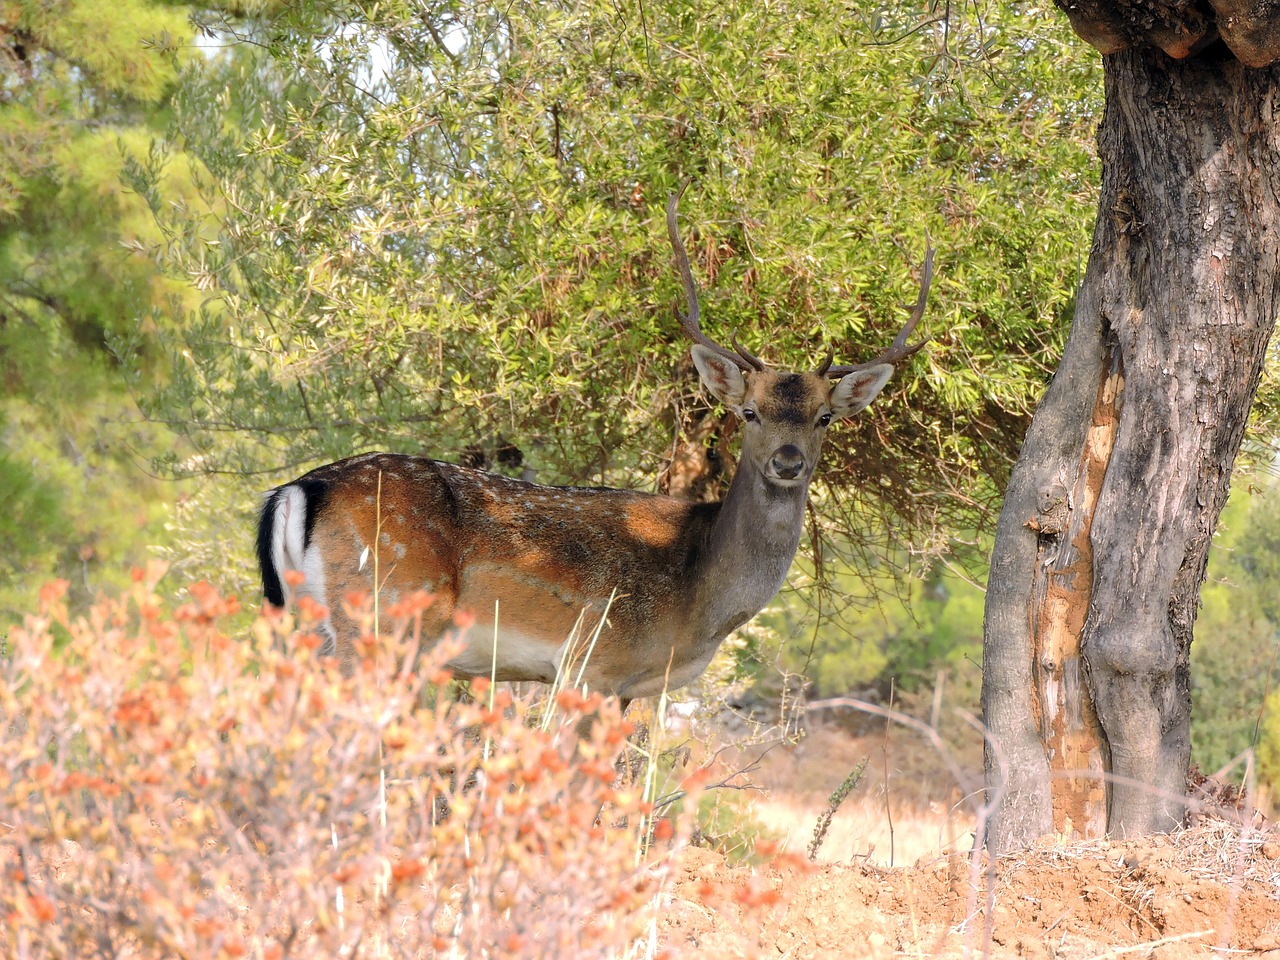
(624, 592)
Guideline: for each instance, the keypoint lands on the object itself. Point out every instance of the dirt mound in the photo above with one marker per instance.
(1169, 897)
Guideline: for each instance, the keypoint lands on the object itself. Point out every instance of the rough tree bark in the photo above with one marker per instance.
(1104, 535)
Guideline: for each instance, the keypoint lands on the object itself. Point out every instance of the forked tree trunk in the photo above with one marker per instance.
(1102, 542)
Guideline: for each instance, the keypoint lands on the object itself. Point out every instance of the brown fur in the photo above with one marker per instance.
(537, 567)
(541, 554)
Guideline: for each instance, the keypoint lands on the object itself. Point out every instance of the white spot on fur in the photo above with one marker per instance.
(519, 654)
(288, 553)
(288, 531)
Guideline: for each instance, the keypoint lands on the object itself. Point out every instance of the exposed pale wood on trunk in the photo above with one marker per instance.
(1061, 591)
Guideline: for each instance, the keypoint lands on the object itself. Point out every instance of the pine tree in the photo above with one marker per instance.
(87, 85)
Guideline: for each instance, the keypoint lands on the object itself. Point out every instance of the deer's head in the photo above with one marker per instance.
(785, 415)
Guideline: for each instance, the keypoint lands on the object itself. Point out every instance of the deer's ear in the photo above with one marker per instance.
(854, 392)
(721, 376)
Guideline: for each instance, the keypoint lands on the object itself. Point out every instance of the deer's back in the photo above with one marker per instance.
(543, 561)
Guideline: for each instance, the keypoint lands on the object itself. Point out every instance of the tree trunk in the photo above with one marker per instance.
(1102, 542)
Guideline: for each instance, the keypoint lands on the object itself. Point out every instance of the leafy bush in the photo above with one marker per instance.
(436, 229)
(173, 791)
(1269, 749)
(865, 633)
(1234, 657)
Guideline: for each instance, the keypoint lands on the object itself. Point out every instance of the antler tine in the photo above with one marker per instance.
(826, 364)
(689, 321)
(899, 349)
(747, 355)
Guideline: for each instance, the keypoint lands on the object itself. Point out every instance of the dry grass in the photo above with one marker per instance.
(860, 832)
(905, 807)
(1217, 850)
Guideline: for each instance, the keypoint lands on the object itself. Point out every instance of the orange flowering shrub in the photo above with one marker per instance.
(172, 791)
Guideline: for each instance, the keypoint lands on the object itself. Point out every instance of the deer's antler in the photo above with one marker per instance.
(689, 321)
(899, 349)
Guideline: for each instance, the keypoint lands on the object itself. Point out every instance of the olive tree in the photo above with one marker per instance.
(1108, 517)
(439, 229)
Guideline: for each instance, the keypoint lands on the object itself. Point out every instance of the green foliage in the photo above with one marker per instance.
(848, 640)
(75, 506)
(1269, 746)
(838, 796)
(436, 229)
(1235, 660)
(106, 43)
(727, 824)
(861, 631)
(29, 505)
(88, 89)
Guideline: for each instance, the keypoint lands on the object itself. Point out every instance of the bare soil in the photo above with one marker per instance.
(1169, 897)
(1211, 888)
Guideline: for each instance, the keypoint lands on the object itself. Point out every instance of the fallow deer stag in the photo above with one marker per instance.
(657, 582)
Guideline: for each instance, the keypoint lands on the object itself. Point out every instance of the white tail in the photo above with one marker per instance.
(664, 580)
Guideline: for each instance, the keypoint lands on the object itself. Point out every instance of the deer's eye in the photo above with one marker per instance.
(749, 415)
(824, 420)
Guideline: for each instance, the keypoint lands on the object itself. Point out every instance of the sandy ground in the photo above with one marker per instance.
(1169, 897)
(1200, 892)
(907, 806)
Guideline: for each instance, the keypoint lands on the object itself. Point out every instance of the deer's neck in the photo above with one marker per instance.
(749, 550)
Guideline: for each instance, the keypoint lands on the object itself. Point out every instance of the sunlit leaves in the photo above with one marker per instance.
(439, 228)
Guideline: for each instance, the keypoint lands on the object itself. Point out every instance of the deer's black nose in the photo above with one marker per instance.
(788, 461)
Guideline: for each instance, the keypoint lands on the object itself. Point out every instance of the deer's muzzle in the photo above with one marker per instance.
(787, 462)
